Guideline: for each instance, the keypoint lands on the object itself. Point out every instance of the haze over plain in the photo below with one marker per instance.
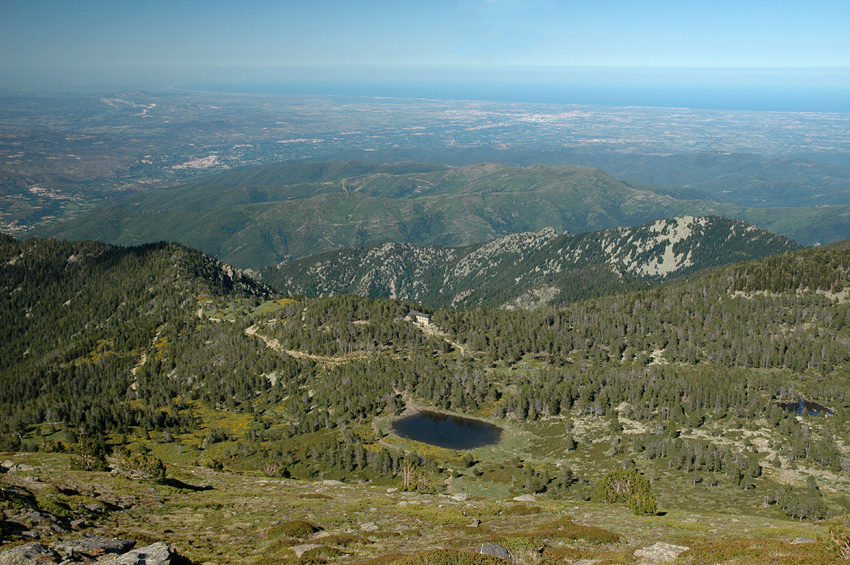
(753, 55)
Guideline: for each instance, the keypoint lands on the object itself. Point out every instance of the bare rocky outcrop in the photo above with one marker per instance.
(659, 553)
(29, 553)
(532, 268)
(304, 548)
(92, 549)
(159, 553)
(495, 550)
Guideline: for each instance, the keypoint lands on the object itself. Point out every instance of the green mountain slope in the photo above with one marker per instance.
(259, 216)
(530, 269)
(744, 179)
(164, 350)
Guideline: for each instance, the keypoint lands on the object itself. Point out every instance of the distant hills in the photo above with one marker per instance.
(256, 217)
(530, 269)
(744, 179)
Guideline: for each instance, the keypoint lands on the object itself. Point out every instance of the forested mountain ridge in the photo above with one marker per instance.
(258, 216)
(79, 316)
(530, 269)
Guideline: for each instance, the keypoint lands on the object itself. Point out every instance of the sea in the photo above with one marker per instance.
(779, 98)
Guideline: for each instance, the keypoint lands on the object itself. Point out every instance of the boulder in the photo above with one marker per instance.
(30, 553)
(525, 498)
(495, 550)
(304, 548)
(158, 553)
(19, 468)
(92, 549)
(659, 553)
(92, 546)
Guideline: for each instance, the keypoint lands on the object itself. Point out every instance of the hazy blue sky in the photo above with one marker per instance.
(167, 42)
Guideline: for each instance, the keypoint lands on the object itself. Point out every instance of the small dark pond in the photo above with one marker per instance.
(451, 432)
(805, 407)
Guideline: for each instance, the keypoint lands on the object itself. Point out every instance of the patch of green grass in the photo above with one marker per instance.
(754, 551)
(481, 487)
(447, 516)
(320, 554)
(782, 532)
(280, 546)
(565, 528)
(521, 510)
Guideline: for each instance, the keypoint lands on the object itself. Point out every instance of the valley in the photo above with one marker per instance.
(680, 383)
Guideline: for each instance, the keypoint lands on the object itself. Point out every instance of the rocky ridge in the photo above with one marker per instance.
(530, 269)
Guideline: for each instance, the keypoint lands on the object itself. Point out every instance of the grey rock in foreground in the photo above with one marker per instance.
(495, 550)
(659, 553)
(92, 549)
(158, 553)
(304, 548)
(30, 553)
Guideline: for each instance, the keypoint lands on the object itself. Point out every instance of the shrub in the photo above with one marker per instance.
(839, 536)
(414, 480)
(50, 500)
(628, 486)
(294, 529)
(141, 466)
(90, 455)
(10, 442)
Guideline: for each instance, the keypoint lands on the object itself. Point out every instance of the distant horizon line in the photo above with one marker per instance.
(825, 89)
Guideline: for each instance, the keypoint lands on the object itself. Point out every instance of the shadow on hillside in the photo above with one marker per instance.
(177, 483)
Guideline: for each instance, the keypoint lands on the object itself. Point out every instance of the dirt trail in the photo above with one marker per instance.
(433, 330)
(144, 358)
(275, 344)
